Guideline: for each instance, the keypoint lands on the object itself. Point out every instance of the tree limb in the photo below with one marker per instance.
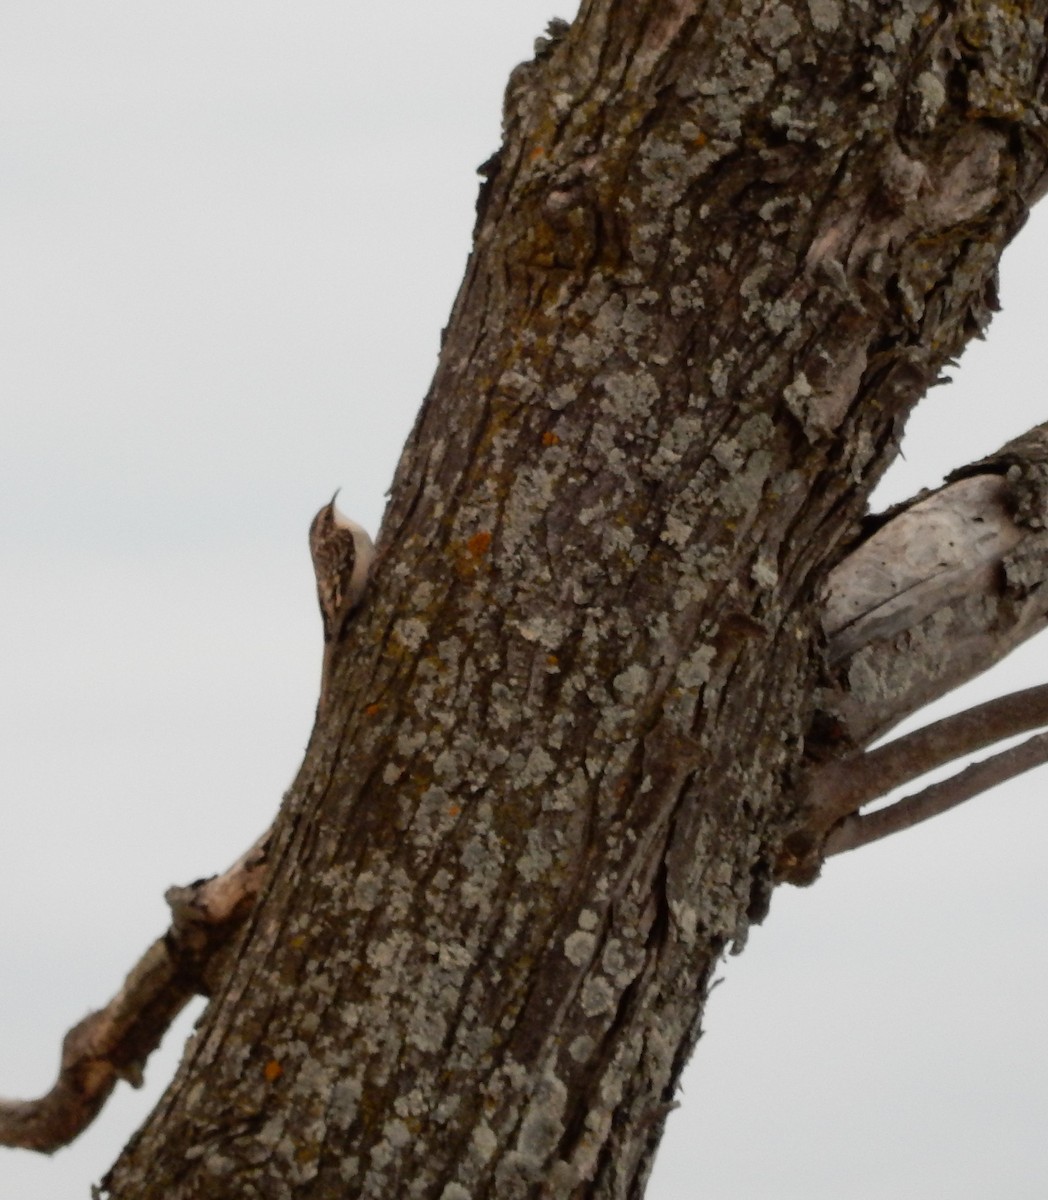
(114, 1042)
(944, 587)
(711, 277)
(929, 554)
(856, 831)
(841, 788)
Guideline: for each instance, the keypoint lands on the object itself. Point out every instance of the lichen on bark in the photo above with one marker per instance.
(719, 256)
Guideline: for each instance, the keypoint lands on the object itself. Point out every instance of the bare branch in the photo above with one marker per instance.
(841, 788)
(946, 586)
(856, 831)
(114, 1042)
(943, 545)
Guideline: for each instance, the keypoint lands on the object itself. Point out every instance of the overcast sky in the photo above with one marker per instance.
(230, 236)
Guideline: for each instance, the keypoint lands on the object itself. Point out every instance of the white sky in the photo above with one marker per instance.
(230, 236)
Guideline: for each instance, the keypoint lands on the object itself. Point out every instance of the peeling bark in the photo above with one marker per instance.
(719, 256)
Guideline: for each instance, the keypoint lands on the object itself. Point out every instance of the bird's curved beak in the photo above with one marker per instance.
(337, 515)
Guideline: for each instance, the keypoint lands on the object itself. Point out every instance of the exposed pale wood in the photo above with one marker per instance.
(944, 589)
(947, 546)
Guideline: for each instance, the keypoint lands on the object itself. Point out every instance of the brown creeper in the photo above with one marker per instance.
(342, 556)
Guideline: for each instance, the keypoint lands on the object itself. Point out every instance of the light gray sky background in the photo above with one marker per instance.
(230, 235)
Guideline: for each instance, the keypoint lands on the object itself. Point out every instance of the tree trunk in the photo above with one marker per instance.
(720, 255)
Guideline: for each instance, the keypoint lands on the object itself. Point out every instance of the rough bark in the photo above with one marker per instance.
(718, 258)
(968, 558)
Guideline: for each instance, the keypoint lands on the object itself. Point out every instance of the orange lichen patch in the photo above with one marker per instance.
(272, 1070)
(549, 438)
(372, 710)
(479, 544)
(470, 556)
(552, 660)
(699, 140)
(454, 810)
(537, 152)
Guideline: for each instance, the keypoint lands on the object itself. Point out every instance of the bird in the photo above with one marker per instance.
(342, 555)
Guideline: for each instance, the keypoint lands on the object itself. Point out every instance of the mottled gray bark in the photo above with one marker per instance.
(722, 252)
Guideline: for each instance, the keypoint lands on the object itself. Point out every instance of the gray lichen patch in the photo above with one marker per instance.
(825, 14)
(579, 947)
(553, 784)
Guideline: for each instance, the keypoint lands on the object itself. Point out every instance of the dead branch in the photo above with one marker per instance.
(945, 587)
(856, 831)
(839, 789)
(945, 544)
(114, 1042)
